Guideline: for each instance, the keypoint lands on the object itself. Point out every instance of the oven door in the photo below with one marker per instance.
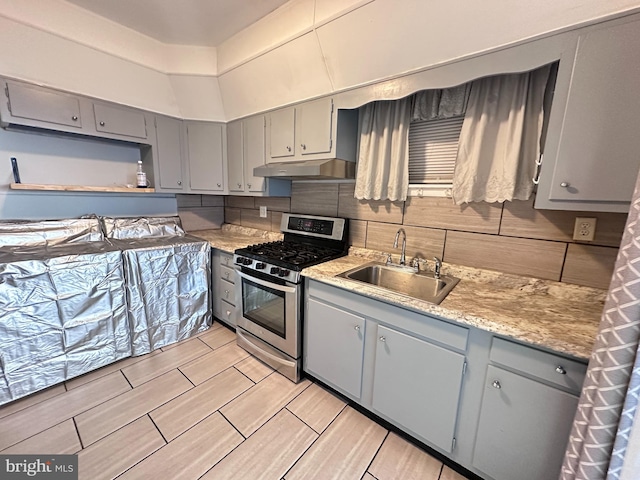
(271, 312)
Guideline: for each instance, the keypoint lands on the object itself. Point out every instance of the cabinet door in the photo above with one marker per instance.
(205, 147)
(36, 103)
(120, 121)
(235, 156)
(169, 153)
(592, 150)
(313, 127)
(282, 135)
(254, 151)
(417, 384)
(524, 427)
(334, 346)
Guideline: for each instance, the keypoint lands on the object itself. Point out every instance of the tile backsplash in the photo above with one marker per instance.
(512, 237)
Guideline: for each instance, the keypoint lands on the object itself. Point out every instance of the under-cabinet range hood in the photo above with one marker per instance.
(327, 169)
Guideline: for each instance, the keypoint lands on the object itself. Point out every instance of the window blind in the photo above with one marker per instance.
(433, 148)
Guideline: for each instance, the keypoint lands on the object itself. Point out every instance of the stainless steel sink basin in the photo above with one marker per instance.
(404, 281)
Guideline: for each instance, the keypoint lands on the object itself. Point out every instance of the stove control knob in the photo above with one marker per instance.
(239, 260)
(274, 271)
(260, 266)
(283, 273)
(247, 261)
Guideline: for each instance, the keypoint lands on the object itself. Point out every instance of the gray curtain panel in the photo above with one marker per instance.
(439, 104)
(599, 441)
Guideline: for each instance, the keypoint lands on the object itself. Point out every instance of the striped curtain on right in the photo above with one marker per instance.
(605, 439)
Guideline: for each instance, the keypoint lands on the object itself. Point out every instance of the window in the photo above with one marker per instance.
(433, 148)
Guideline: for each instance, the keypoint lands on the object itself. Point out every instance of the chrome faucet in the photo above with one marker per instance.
(403, 259)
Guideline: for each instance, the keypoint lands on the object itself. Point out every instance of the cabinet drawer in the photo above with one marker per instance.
(226, 259)
(228, 313)
(37, 103)
(226, 291)
(543, 365)
(228, 274)
(120, 121)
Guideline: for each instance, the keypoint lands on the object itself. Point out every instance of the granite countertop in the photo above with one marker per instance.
(231, 237)
(560, 317)
(557, 316)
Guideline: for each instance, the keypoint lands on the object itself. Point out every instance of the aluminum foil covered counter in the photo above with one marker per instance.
(167, 287)
(62, 313)
(50, 232)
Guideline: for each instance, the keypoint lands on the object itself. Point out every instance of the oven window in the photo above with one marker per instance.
(264, 306)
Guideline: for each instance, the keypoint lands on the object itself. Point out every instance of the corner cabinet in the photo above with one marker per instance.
(206, 145)
(591, 158)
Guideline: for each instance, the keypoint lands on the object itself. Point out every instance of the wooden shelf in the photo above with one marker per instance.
(78, 188)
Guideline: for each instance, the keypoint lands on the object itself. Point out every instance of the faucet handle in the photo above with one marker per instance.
(389, 260)
(437, 267)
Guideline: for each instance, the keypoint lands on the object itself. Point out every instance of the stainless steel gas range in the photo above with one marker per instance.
(270, 291)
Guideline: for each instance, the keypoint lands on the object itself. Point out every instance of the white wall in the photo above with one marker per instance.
(67, 161)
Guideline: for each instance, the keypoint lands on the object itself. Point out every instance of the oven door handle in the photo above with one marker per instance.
(264, 283)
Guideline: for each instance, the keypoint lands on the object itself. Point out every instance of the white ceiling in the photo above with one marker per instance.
(183, 22)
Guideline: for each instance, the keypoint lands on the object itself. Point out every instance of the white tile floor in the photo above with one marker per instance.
(204, 408)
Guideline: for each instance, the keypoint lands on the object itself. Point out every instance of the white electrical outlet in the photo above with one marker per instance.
(584, 229)
(263, 211)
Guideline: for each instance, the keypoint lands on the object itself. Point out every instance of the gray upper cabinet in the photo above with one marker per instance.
(168, 153)
(254, 152)
(591, 158)
(206, 149)
(309, 131)
(417, 384)
(235, 156)
(35, 106)
(313, 126)
(120, 121)
(334, 346)
(282, 133)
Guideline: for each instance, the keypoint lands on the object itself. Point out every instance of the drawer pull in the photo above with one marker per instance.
(357, 328)
(226, 274)
(496, 384)
(383, 339)
(74, 118)
(560, 369)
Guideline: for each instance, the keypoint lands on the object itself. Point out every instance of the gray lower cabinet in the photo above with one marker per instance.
(334, 346)
(223, 287)
(497, 407)
(418, 384)
(524, 427)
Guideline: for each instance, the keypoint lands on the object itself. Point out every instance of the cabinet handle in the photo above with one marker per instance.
(496, 384)
(226, 274)
(179, 182)
(565, 184)
(74, 118)
(226, 293)
(249, 185)
(304, 147)
(288, 148)
(219, 185)
(383, 339)
(102, 124)
(228, 313)
(560, 369)
(357, 328)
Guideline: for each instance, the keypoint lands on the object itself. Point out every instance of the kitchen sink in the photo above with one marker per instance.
(403, 280)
